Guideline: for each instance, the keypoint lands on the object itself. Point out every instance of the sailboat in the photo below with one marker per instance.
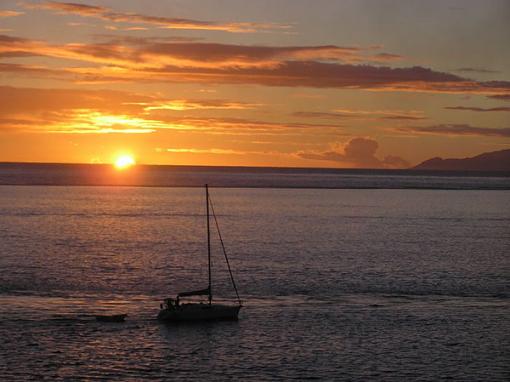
(172, 309)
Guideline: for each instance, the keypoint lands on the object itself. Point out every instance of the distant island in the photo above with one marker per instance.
(492, 161)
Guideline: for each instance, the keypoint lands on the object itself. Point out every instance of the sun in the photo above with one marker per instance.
(124, 161)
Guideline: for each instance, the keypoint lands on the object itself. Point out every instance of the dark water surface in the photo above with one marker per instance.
(247, 177)
(338, 284)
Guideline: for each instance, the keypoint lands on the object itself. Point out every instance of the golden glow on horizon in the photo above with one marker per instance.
(124, 162)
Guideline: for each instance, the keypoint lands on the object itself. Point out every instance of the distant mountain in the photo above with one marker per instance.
(493, 161)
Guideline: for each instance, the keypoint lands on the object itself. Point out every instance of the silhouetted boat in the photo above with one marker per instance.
(173, 310)
(111, 318)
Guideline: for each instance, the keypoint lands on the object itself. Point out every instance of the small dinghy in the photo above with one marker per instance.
(111, 318)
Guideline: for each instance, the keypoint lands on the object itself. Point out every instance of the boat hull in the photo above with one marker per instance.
(199, 312)
(111, 318)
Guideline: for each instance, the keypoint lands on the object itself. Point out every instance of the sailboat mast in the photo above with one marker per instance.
(208, 241)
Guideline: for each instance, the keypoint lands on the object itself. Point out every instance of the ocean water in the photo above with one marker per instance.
(337, 284)
(247, 177)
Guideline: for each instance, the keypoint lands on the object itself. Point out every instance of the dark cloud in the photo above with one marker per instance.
(404, 117)
(361, 114)
(358, 152)
(477, 70)
(245, 124)
(299, 66)
(4, 39)
(136, 40)
(252, 54)
(325, 115)
(332, 75)
(458, 129)
(478, 109)
(335, 75)
(81, 9)
(226, 54)
(147, 49)
(387, 57)
(14, 54)
(29, 69)
(500, 97)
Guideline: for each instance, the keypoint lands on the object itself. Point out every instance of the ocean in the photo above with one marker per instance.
(344, 275)
(247, 177)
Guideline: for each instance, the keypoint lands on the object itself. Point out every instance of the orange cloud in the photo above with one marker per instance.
(108, 14)
(102, 111)
(106, 111)
(13, 100)
(359, 153)
(214, 151)
(6, 13)
(183, 104)
(34, 100)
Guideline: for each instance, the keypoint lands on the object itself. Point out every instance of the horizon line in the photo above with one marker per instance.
(350, 169)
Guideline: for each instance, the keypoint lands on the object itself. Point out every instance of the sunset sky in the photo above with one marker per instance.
(306, 83)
